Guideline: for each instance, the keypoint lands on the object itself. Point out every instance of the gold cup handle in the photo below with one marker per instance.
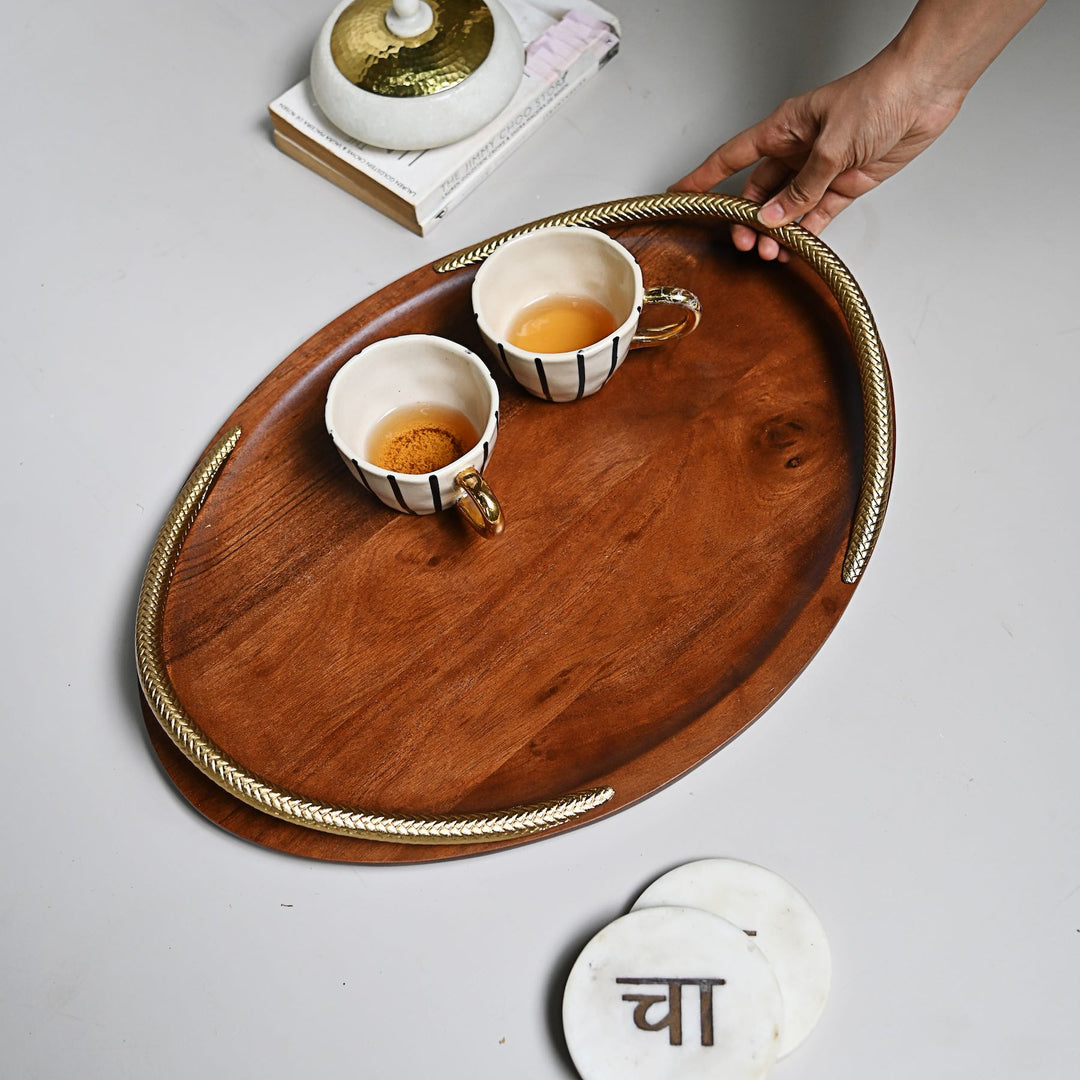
(674, 296)
(478, 505)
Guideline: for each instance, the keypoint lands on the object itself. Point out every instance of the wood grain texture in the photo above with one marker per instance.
(671, 562)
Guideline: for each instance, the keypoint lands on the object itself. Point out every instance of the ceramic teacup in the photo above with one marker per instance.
(559, 308)
(415, 419)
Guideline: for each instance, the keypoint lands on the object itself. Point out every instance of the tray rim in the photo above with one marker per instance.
(518, 821)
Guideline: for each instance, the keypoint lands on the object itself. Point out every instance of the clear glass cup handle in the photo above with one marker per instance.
(671, 295)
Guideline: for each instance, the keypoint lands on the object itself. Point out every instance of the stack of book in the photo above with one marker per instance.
(564, 49)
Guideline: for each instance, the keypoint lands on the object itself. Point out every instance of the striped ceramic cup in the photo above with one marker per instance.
(415, 420)
(562, 273)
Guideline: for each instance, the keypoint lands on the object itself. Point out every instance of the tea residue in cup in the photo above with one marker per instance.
(420, 438)
(557, 324)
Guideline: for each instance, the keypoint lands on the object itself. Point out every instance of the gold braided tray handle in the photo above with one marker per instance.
(878, 421)
(519, 821)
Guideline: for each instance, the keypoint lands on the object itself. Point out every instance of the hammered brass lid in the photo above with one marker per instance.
(375, 59)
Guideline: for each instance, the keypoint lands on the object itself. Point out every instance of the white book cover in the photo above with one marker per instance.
(563, 47)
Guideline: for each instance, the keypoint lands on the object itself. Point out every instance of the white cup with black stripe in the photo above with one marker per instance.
(559, 308)
(415, 420)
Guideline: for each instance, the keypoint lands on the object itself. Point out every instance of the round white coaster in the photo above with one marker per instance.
(672, 993)
(780, 920)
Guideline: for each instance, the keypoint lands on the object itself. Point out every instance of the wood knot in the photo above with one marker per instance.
(780, 434)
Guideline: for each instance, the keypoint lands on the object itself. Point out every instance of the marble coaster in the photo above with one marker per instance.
(672, 993)
(784, 927)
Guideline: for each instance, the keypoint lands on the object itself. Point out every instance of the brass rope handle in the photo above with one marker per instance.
(211, 760)
(878, 420)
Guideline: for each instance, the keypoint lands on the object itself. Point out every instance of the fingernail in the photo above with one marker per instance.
(771, 214)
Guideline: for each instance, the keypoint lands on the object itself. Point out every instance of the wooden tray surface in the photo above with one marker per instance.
(671, 561)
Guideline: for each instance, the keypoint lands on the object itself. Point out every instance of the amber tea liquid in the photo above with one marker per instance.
(556, 324)
(420, 438)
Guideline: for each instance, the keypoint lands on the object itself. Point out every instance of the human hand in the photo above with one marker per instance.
(820, 151)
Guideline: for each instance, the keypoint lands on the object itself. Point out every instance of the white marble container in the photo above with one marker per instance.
(423, 122)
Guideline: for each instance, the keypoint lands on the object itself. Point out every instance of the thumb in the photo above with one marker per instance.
(804, 191)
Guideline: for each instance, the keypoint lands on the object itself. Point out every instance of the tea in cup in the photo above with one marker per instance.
(415, 419)
(560, 307)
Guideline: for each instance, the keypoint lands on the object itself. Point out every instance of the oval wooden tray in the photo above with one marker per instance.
(672, 559)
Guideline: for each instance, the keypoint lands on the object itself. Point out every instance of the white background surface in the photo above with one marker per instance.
(917, 783)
